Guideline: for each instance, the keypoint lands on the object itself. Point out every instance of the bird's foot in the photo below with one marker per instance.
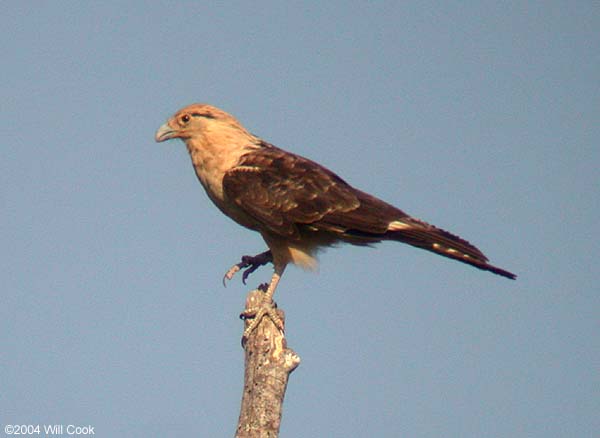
(249, 264)
(266, 307)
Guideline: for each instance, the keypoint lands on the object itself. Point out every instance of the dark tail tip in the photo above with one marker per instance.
(498, 271)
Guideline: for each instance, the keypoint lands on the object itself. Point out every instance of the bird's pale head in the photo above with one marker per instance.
(198, 120)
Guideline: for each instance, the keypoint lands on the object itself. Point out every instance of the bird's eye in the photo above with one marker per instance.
(185, 118)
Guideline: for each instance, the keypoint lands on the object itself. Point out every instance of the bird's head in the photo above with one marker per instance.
(197, 120)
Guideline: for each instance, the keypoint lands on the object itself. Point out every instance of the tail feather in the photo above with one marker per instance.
(425, 236)
(375, 220)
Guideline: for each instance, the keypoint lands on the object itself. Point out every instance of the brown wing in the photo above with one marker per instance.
(284, 191)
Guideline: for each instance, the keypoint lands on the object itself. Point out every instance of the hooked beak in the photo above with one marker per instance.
(165, 132)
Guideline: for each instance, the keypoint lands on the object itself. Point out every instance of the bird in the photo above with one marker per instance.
(297, 205)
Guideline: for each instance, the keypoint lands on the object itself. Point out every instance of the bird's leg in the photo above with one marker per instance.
(273, 284)
(266, 308)
(252, 263)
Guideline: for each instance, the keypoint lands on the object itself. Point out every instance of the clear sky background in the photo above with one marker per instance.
(482, 118)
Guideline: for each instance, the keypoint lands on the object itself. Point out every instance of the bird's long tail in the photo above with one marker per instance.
(422, 235)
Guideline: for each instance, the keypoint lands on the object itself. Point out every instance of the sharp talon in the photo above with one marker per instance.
(249, 264)
(230, 273)
(249, 271)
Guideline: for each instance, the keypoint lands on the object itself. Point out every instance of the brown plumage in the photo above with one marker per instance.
(297, 205)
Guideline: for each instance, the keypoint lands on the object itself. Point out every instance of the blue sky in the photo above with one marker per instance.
(478, 117)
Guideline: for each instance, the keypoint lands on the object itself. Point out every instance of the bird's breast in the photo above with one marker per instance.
(210, 168)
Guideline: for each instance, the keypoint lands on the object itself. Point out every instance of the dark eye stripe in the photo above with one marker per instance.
(206, 115)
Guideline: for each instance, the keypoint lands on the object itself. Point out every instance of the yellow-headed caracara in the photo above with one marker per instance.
(297, 205)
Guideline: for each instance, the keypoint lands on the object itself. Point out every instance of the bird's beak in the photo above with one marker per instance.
(165, 132)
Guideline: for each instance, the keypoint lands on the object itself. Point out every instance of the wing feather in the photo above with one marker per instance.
(285, 191)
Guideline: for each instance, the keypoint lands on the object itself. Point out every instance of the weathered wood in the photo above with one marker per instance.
(268, 364)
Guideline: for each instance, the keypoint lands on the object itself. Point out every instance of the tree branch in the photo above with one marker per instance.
(268, 364)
